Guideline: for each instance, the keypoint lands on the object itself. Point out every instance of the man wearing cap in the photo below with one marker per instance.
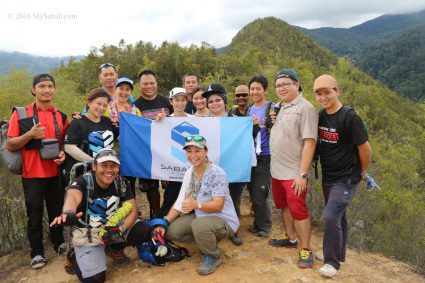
(151, 104)
(190, 82)
(292, 145)
(108, 210)
(345, 155)
(40, 177)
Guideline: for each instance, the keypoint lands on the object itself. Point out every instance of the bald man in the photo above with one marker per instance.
(241, 100)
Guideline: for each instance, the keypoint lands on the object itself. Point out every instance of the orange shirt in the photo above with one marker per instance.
(32, 164)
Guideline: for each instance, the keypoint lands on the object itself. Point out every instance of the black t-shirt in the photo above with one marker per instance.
(91, 137)
(235, 111)
(190, 108)
(339, 135)
(104, 201)
(151, 108)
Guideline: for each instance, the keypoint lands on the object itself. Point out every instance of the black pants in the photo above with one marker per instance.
(37, 191)
(259, 190)
(171, 193)
(154, 198)
(235, 190)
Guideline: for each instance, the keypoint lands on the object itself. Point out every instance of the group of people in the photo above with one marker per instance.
(204, 207)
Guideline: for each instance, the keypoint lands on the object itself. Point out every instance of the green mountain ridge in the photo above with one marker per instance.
(389, 220)
(390, 48)
(34, 64)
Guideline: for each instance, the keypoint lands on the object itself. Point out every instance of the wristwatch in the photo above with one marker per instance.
(304, 175)
(199, 205)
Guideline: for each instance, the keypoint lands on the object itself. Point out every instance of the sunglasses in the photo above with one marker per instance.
(194, 138)
(106, 65)
(243, 94)
(106, 152)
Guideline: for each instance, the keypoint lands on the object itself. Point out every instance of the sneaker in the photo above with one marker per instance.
(38, 262)
(236, 240)
(209, 264)
(62, 249)
(118, 256)
(283, 241)
(253, 229)
(305, 259)
(319, 255)
(263, 234)
(328, 270)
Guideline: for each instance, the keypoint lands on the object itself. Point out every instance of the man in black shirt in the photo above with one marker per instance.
(241, 101)
(150, 104)
(190, 82)
(345, 155)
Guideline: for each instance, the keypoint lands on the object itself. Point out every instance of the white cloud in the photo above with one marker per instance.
(57, 28)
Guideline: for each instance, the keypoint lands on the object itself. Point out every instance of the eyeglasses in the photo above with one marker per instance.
(284, 85)
(243, 94)
(106, 152)
(106, 65)
(194, 138)
(215, 100)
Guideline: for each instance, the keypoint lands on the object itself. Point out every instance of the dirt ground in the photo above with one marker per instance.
(254, 261)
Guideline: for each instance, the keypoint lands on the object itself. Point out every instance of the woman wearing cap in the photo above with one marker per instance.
(216, 100)
(122, 102)
(200, 103)
(203, 211)
(178, 99)
(91, 133)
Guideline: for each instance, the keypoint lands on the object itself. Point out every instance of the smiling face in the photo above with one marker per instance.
(44, 91)
(199, 101)
(179, 103)
(107, 77)
(105, 173)
(257, 92)
(148, 86)
(97, 107)
(196, 156)
(328, 99)
(124, 92)
(286, 89)
(216, 105)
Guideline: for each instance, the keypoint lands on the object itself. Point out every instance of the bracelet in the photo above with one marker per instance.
(166, 219)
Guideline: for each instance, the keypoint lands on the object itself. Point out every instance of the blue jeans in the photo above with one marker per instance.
(338, 195)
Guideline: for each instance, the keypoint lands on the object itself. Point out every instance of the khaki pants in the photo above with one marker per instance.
(206, 231)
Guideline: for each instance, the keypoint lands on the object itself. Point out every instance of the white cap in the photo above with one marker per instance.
(177, 91)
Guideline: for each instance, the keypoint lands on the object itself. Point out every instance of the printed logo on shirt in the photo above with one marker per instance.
(99, 140)
(328, 135)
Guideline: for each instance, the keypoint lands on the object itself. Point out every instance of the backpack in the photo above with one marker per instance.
(12, 159)
(268, 122)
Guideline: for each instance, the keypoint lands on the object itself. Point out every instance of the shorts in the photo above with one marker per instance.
(284, 196)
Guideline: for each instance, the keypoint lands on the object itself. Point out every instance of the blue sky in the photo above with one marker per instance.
(60, 28)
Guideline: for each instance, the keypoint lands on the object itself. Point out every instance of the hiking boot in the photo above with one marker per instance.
(283, 241)
(305, 259)
(62, 249)
(38, 262)
(328, 270)
(209, 264)
(253, 229)
(70, 262)
(118, 256)
(236, 240)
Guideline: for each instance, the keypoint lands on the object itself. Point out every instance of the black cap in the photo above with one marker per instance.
(42, 78)
(214, 89)
(288, 73)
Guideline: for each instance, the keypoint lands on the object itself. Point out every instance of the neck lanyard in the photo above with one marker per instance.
(197, 188)
(57, 131)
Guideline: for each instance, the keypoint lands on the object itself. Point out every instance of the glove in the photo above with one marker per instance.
(111, 235)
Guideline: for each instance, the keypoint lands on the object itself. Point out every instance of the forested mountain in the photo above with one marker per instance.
(389, 220)
(34, 64)
(353, 41)
(390, 48)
